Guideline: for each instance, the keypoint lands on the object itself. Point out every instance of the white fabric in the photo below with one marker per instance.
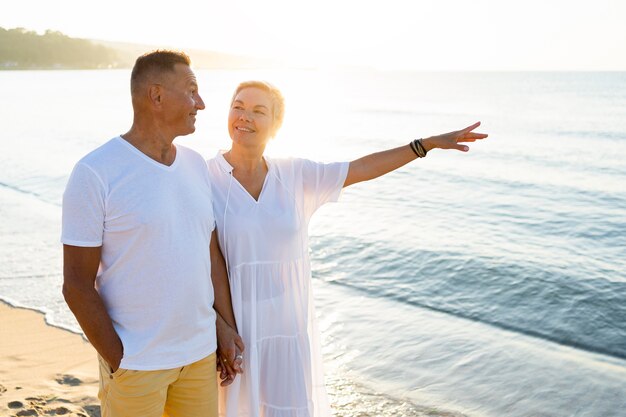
(265, 244)
(154, 224)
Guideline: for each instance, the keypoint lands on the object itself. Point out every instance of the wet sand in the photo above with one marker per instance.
(44, 370)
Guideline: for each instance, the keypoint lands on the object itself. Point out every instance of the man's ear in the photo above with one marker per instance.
(155, 94)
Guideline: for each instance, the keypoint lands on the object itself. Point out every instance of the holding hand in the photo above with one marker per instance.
(230, 349)
(229, 370)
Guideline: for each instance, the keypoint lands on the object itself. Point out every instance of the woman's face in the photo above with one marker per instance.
(251, 117)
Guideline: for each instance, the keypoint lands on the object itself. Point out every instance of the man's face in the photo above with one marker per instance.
(181, 100)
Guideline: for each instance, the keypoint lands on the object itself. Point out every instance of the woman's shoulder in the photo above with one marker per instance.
(287, 166)
(290, 162)
(218, 164)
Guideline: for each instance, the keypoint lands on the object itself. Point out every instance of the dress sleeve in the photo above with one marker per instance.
(83, 209)
(322, 183)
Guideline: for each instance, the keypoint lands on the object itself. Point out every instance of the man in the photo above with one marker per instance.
(139, 255)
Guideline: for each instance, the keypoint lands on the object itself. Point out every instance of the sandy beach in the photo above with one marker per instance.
(48, 371)
(44, 370)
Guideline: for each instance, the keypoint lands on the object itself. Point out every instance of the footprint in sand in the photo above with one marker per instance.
(41, 406)
(30, 412)
(59, 411)
(68, 380)
(92, 410)
(15, 404)
(36, 402)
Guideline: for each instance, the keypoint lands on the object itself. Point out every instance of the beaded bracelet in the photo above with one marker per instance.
(418, 148)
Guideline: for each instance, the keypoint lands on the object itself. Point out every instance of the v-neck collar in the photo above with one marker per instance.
(228, 168)
(146, 158)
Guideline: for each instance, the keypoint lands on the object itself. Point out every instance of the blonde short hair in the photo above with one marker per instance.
(276, 97)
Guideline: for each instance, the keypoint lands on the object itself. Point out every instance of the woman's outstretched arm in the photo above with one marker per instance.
(380, 163)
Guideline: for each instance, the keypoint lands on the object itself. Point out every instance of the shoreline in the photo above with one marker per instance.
(41, 311)
(44, 370)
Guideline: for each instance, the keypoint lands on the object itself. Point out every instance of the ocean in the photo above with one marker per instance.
(480, 284)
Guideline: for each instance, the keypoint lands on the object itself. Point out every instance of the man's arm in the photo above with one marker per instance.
(80, 266)
(223, 304)
(229, 342)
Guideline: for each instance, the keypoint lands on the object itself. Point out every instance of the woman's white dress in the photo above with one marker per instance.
(265, 244)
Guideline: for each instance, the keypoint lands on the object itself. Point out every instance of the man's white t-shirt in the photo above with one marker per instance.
(154, 223)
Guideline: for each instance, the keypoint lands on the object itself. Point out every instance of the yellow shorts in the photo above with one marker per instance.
(188, 391)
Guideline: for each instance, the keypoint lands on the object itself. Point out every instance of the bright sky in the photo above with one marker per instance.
(388, 34)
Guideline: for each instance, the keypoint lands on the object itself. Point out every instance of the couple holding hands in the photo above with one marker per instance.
(175, 266)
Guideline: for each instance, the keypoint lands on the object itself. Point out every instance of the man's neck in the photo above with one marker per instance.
(152, 143)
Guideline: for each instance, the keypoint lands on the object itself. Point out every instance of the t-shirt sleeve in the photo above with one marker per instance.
(322, 183)
(83, 209)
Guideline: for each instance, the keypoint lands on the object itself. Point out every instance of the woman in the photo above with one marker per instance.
(262, 208)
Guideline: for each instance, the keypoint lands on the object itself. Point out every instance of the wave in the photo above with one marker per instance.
(45, 312)
(588, 134)
(31, 193)
(520, 330)
(559, 303)
(28, 276)
(575, 192)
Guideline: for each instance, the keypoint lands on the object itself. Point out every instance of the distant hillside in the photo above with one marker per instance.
(24, 49)
(199, 58)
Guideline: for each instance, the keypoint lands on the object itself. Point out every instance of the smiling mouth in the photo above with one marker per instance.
(244, 129)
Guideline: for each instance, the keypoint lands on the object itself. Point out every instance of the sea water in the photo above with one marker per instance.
(487, 283)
